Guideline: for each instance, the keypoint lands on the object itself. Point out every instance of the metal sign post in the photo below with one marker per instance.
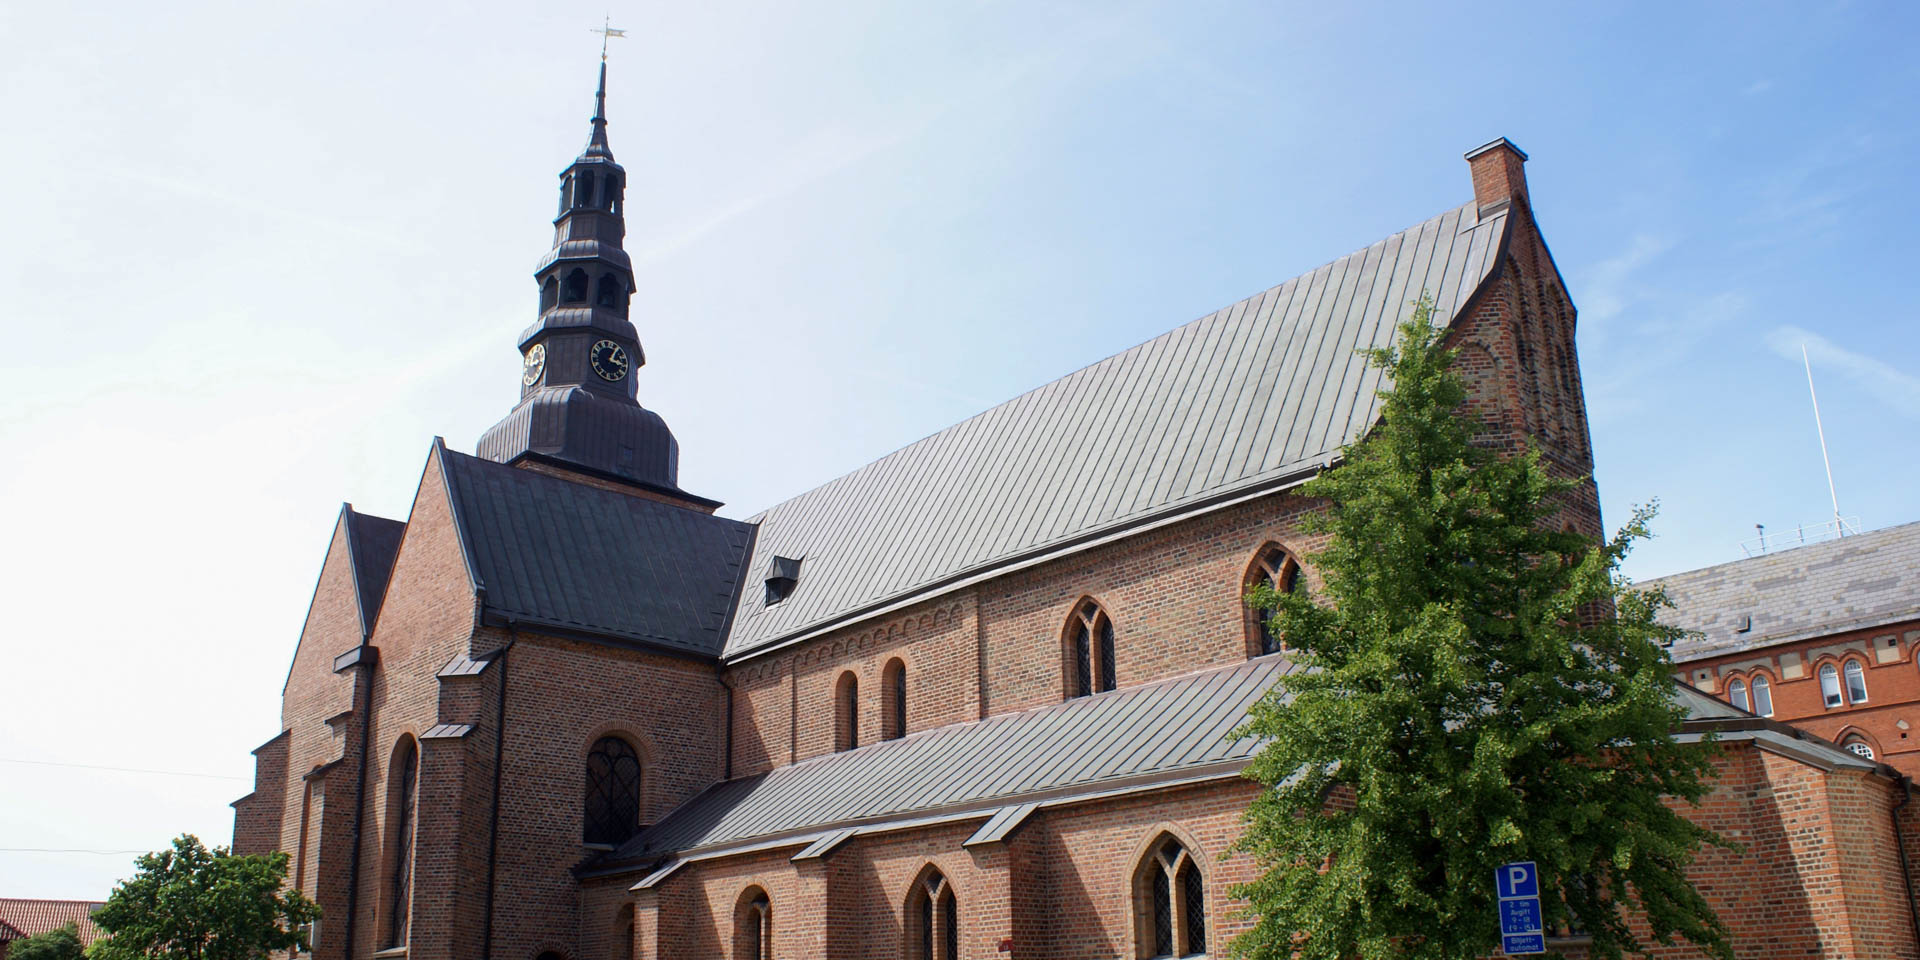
(1522, 925)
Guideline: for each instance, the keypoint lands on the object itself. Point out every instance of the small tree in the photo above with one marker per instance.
(191, 903)
(62, 943)
(1478, 688)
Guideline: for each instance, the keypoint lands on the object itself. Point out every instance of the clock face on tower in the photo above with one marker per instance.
(609, 360)
(533, 364)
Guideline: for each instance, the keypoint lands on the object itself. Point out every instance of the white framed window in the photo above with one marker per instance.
(1737, 694)
(1856, 682)
(1830, 685)
(1859, 747)
(1762, 695)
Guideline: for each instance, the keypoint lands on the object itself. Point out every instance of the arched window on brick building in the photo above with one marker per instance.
(1737, 693)
(1090, 657)
(1856, 682)
(846, 712)
(1762, 695)
(1272, 567)
(403, 777)
(1858, 746)
(1830, 686)
(1170, 903)
(612, 814)
(753, 926)
(933, 919)
(893, 700)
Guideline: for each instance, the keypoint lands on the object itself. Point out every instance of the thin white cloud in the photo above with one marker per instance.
(1610, 287)
(1758, 87)
(1900, 391)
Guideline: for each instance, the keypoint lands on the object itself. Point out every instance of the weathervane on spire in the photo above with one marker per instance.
(607, 31)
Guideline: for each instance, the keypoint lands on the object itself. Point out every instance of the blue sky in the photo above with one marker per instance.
(257, 256)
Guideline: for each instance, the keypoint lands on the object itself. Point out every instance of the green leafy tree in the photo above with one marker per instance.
(191, 903)
(62, 943)
(1479, 688)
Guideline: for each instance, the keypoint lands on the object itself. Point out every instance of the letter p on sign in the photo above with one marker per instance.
(1517, 880)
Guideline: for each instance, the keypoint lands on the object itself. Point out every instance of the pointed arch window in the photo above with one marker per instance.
(1762, 695)
(1737, 694)
(753, 926)
(1830, 685)
(612, 813)
(893, 700)
(576, 291)
(1171, 901)
(1273, 567)
(846, 712)
(1090, 650)
(1859, 747)
(933, 927)
(403, 776)
(1856, 682)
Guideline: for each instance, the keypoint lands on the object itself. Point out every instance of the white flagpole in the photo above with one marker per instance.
(1840, 528)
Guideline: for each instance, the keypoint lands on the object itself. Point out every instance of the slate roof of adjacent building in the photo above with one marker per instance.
(1852, 583)
(34, 917)
(1159, 728)
(555, 553)
(372, 544)
(1249, 398)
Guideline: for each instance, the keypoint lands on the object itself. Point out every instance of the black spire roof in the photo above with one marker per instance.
(578, 399)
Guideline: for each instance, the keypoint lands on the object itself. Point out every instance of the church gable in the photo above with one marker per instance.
(347, 596)
(1251, 398)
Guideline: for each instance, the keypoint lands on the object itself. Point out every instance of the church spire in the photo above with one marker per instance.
(597, 141)
(579, 406)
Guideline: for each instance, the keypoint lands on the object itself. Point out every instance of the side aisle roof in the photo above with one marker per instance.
(1248, 398)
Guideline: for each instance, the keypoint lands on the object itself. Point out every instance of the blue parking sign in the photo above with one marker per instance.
(1521, 916)
(1522, 925)
(1517, 880)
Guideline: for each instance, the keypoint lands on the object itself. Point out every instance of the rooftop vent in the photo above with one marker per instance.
(783, 573)
(1746, 623)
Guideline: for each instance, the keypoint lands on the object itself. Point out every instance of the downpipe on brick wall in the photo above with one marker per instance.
(1900, 843)
(493, 815)
(365, 708)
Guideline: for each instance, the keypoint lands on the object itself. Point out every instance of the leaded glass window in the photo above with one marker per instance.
(1275, 569)
(613, 792)
(403, 785)
(1175, 903)
(1092, 649)
(936, 917)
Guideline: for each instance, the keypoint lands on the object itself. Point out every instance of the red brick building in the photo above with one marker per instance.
(968, 701)
(1823, 637)
(23, 918)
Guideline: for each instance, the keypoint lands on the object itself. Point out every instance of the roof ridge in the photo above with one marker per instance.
(1468, 206)
(1801, 550)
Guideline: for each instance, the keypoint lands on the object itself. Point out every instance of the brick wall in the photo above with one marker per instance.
(1889, 656)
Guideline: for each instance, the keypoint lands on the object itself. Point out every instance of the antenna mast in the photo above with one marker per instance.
(1839, 526)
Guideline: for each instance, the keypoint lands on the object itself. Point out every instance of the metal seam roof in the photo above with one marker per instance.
(1261, 388)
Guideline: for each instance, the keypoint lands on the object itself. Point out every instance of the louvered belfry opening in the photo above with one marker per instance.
(1090, 647)
(612, 814)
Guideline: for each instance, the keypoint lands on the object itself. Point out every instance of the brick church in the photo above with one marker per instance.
(967, 701)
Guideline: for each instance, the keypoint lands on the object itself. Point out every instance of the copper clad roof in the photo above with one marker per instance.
(1263, 390)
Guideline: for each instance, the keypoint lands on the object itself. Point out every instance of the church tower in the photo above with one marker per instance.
(578, 408)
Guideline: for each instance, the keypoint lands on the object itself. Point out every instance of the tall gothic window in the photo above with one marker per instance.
(893, 697)
(753, 926)
(403, 776)
(933, 927)
(1171, 903)
(1090, 649)
(1277, 570)
(613, 792)
(846, 712)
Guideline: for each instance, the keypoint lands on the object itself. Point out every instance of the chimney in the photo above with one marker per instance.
(1497, 173)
